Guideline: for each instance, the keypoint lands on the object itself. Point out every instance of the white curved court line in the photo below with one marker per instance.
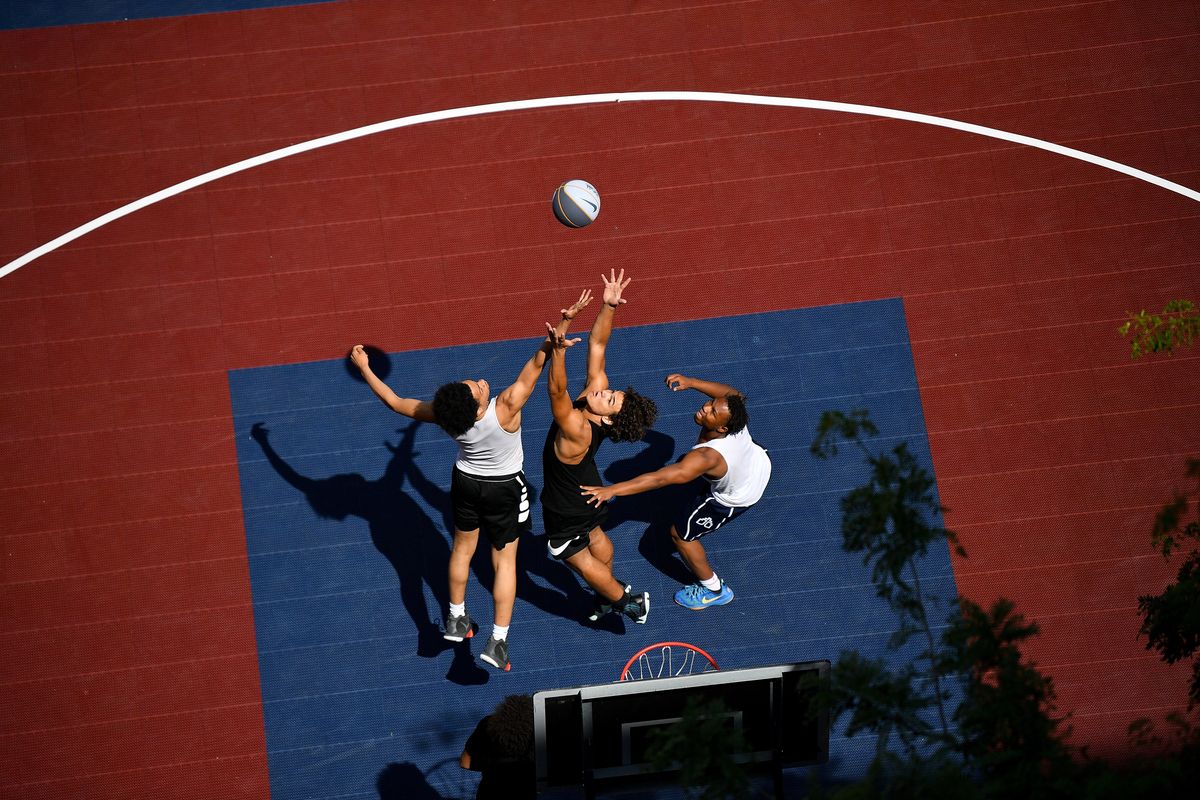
(583, 99)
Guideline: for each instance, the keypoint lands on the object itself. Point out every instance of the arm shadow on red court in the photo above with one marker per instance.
(400, 530)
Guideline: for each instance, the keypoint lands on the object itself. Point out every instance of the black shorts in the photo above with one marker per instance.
(703, 514)
(497, 505)
(566, 536)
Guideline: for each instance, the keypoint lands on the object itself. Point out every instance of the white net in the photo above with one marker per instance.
(668, 660)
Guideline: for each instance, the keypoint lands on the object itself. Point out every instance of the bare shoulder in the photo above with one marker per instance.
(706, 460)
(574, 437)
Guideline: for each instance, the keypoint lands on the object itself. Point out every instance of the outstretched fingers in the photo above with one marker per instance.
(614, 285)
(560, 341)
(585, 297)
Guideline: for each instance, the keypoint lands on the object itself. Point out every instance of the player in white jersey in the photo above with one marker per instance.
(488, 489)
(737, 470)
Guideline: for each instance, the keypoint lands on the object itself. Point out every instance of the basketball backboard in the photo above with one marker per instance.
(597, 736)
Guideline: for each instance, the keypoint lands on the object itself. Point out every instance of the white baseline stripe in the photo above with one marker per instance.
(583, 99)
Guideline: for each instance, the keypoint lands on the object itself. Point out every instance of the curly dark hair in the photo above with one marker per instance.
(510, 727)
(637, 414)
(454, 408)
(738, 415)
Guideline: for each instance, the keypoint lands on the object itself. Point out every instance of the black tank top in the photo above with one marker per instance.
(560, 492)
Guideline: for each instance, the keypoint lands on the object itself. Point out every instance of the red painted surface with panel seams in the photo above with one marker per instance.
(129, 663)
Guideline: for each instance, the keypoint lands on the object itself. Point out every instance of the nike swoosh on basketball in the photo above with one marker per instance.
(590, 203)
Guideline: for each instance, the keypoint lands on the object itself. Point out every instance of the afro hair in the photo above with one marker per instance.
(510, 727)
(454, 408)
(636, 416)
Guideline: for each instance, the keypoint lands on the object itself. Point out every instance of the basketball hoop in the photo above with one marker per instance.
(667, 660)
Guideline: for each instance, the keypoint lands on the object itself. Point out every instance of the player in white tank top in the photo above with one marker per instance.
(488, 488)
(725, 455)
(488, 449)
(747, 469)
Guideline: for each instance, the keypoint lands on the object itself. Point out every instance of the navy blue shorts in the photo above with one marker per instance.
(703, 515)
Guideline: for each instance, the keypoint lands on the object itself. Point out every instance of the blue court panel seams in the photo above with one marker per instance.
(34, 14)
(346, 508)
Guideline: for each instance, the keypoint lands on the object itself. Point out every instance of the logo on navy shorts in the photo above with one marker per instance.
(705, 522)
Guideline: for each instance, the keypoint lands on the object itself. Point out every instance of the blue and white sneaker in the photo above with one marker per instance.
(696, 597)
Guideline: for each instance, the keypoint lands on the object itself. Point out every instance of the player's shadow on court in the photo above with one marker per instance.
(401, 531)
(563, 598)
(404, 781)
(654, 509)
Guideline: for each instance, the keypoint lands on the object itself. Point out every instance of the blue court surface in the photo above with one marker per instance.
(40, 13)
(346, 514)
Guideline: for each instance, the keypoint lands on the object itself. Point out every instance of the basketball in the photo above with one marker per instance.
(576, 204)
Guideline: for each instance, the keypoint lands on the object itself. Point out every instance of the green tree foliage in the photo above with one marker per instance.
(1002, 739)
(890, 521)
(1006, 731)
(1171, 620)
(701, 744)
(1162, 768)
(1176, 326)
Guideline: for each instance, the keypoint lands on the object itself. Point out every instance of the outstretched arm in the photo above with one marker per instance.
(417, 409)
(614, 285)
(710, 388)
(692, 466)
(513, 399)
(560, 400)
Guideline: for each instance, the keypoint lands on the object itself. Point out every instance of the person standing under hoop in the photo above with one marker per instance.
(575, 530)
(488, 489)
(737, 470)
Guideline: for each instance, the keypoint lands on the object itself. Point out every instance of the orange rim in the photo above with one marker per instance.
(633, 659)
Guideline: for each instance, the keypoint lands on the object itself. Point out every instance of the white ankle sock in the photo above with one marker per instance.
(499, 632)
(713, 584)
(458, 609)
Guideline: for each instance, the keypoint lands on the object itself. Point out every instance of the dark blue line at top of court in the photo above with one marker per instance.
(16, 14)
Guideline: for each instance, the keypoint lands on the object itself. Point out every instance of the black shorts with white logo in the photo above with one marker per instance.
(497, 504)
(567, 535)
(702, 515)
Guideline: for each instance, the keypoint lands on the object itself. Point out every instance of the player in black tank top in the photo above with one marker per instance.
(563, 507)
(575, 533)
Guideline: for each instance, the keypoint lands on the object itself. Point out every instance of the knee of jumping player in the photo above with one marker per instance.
(599, 543)
(465, 541)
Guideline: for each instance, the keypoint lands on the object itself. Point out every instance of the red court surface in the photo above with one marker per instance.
(128, 661)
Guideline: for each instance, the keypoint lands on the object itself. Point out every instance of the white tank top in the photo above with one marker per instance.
(748, 468)
(488, 450)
